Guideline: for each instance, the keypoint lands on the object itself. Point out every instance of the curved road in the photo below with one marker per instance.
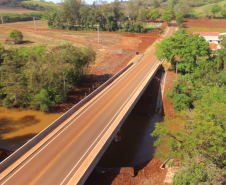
(59, 158)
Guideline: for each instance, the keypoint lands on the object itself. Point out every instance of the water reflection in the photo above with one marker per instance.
(136, 146)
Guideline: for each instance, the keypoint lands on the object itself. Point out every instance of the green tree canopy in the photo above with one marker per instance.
(216, 8)
(180, 18)
(183, 51)
(153, 14)
(17, 35)
(167, 14)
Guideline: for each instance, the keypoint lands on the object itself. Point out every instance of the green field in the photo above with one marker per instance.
(199, 29)
(201, 11)
(151, 26)
(41, 3)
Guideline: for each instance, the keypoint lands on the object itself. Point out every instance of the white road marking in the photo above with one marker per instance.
(108, 124)
(61, 131)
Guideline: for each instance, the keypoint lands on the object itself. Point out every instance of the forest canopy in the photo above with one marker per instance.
(197, 135)
(38, 77)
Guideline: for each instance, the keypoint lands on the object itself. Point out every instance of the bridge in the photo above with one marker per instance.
(69, 153)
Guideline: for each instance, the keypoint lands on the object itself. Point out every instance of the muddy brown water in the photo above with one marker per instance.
(17, 126)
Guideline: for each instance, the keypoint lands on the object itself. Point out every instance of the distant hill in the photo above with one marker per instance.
(31, 5)
(38, 5)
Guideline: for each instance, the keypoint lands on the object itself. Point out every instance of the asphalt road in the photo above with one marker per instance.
(53, 162)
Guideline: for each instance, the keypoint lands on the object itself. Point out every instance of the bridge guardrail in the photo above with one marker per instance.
(35, 140)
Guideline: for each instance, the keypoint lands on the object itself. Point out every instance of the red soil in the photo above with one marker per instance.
(145, 174)
(171, 76)
(205, 23)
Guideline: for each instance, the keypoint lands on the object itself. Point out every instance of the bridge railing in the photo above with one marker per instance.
(35, 140)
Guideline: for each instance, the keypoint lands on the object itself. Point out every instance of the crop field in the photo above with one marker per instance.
(203, 29)
(204, 23)
(4, 9)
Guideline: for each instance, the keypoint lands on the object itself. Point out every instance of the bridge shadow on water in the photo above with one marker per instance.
(8, 125)
(136, 148)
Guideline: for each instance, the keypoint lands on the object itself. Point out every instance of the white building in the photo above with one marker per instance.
(212, 38)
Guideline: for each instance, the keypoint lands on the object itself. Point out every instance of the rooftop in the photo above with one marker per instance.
(207, 33)
(213, 46)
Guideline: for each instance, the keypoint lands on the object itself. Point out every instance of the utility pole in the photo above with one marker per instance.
(2, 19)
(34, 23)
(98, 32)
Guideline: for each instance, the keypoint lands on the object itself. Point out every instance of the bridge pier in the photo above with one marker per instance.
(118, 136)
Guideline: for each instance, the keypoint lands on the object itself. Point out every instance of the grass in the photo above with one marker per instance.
(41, 3)
(201, 10)
(200, 29)
(151, 26)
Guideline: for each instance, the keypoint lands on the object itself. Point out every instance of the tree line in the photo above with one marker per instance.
(197, 135)
(75, 15)
(14, 17)
(40, 77)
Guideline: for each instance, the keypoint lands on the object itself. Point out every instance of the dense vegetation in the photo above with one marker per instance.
(39, 78)
(78, 16)
(198, 134)
(15, 17)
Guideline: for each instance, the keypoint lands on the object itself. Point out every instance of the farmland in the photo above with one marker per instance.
(4, 9)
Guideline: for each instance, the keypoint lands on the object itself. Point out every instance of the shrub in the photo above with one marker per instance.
(17, 35)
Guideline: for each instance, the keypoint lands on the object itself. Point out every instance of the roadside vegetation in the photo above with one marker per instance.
(197, 135)
(40, 77)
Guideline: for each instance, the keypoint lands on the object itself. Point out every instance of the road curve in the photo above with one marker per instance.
(53, 162)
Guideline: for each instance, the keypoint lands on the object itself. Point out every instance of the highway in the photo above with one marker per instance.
(59, 158)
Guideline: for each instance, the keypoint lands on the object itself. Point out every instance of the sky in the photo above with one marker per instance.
(87, 1)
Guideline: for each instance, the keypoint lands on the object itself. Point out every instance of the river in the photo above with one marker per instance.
(17, 126)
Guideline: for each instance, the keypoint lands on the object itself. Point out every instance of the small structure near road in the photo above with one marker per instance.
(10, 41)
(212, 38)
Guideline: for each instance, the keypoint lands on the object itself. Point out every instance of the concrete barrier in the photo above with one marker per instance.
(35, 140)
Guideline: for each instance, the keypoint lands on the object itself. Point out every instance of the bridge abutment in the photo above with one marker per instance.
(118, 136)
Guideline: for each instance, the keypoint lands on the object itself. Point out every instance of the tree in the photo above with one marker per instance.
(203, 132)
(216, 8)
(153, 14)
(183, 51)
(180, 18)
(17, 35)
(181, 31)
(167, 14)
(43, 101)
(223, 11)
